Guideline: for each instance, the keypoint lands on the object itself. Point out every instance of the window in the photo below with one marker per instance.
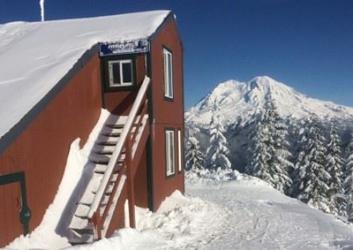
(168, 73)
(170, 152)
(120, 73)
(179, 150)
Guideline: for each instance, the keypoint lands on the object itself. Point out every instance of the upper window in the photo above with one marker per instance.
(170, 152)
(120, 73)
(168, 73)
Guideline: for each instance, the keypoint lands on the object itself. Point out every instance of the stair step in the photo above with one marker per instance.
(79, 223)
(89, 198)
(82, 211)
(92, 186)
(81, 236)
(116, 122)
(104, 149)
(105, 140)
(99, 158)
(109, 189)
(113, 132)
(100, 168)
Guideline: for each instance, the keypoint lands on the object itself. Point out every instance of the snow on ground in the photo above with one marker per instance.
(220, 211)
(260, 217)
(180, 223)
(35, 56)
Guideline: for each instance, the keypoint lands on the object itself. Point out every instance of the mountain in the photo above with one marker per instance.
(301, 146)
(236, 101)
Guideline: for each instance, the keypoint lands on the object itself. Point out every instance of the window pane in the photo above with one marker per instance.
(170, 158)
(116, 73)
(127, 72)
(170, 75)
(179, 150)
(166, 85)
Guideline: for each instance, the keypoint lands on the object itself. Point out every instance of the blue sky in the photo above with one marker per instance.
(307, 44)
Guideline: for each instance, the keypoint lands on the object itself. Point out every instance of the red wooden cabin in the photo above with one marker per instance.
(139, 154)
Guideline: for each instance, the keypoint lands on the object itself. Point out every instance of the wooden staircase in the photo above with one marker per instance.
(115, 156)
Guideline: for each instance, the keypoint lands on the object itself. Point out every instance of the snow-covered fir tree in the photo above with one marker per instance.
(281, 158)
(218, 152)
(348, 182)
(270, 159)
(194, 158)
(334, 166)
(259, 152)
(311, 176)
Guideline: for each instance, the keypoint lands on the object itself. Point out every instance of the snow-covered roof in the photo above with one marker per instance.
(35, 56)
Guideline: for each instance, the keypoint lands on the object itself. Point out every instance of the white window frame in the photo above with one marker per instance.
(179, 151)
(111, 76)
(170, 152)
(168, 73)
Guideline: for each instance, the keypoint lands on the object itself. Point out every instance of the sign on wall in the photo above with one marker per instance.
(125, 47)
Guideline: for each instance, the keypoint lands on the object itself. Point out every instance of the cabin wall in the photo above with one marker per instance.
(166, 113)
(140, 183)
(41, 150)
(119, 101)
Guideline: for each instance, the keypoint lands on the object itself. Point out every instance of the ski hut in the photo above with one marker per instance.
(55, 78)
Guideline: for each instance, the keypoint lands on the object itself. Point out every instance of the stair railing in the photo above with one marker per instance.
(125, 145)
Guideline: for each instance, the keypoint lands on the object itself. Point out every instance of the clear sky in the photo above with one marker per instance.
(307, 44)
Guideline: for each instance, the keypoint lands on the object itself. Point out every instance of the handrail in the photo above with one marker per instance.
(119, 147)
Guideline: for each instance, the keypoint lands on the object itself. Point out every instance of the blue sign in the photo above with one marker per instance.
(125, 47)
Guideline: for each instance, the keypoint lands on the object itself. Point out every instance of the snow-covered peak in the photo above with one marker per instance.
(234, 100)
(261, 82)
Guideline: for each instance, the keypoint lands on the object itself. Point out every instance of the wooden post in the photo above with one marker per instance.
(130, 181)
(96, 220)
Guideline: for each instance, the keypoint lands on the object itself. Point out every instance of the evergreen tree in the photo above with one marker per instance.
(281, 159)
(217, 153)
(194, 158)
(334, 166)
(311, 176)
(271, 156)
(258, 165)
(348, 182)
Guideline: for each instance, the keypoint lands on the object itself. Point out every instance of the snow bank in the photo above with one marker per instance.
(35, 56)
(260, 217)
(47, 234)
(180, 222)
(205, 176)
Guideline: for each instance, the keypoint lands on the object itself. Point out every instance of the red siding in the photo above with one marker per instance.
(140, 181)
(119, 102)
(167, 114)
(41, 150)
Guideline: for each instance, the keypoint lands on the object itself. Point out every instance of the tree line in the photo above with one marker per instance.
(303, 159)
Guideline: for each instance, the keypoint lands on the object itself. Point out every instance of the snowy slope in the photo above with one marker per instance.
(238, 214)
(235, 100)
(259, 217)
(35, 56)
